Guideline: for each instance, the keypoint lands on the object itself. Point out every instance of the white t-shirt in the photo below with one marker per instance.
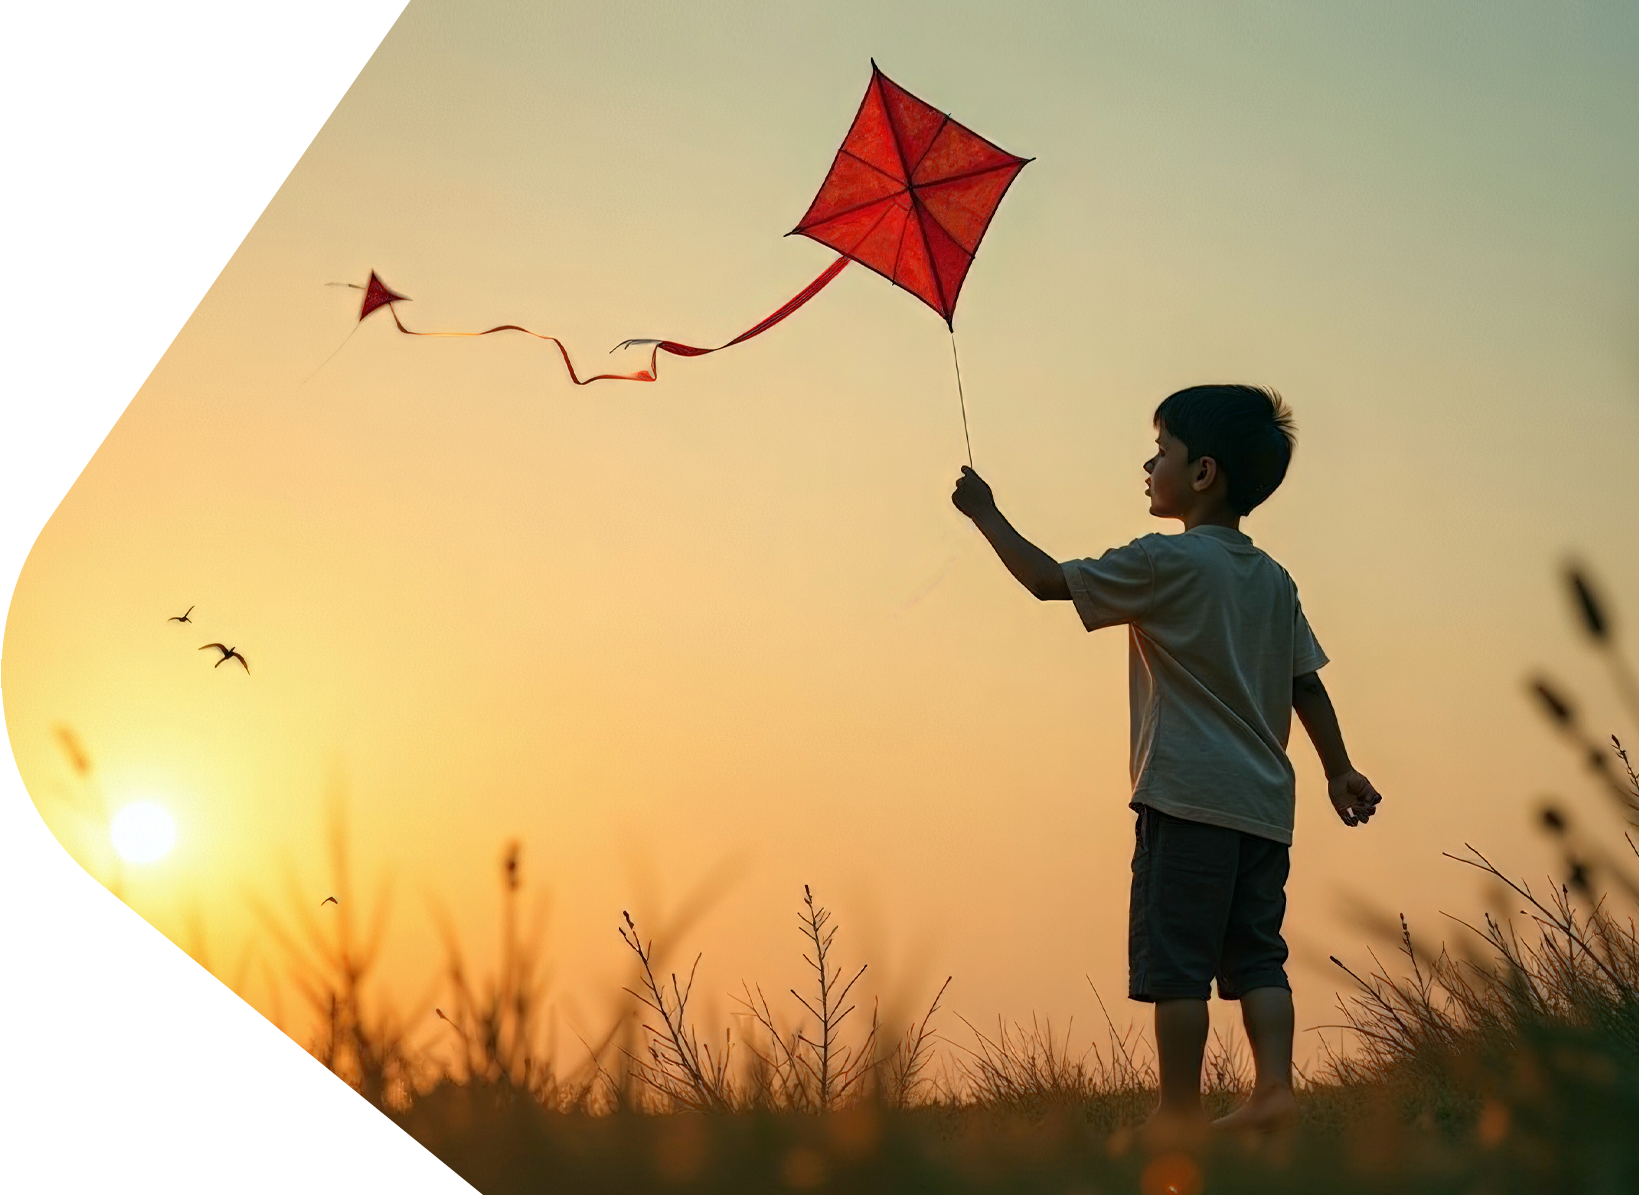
(1216, 636)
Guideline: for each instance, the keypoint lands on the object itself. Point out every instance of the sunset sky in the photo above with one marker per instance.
(729, 624)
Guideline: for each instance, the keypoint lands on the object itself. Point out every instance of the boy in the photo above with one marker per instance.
(1219, 656)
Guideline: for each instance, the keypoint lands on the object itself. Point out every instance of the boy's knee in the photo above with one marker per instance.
(1250, 985)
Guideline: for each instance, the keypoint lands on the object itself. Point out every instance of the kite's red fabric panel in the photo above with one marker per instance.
(963, 206)
(377, 294)
(879, 248)
(950, 260)
(910, 194)
(848, 231)
(871, 138)
(957, 152)
(915, 124)
(913, 269)
(853, 185)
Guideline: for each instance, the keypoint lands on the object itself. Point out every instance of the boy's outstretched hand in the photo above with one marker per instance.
(1031, 567)
(972, 496)
(1353, 797)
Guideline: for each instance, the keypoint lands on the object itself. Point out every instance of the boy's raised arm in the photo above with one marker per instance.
(1352, 794)
(1034, 569)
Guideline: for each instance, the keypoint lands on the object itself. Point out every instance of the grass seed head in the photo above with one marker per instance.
(1588, 605)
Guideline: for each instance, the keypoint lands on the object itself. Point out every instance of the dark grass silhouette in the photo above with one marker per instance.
(330, 960)
(1505, 1061)
(1511, 1065)
(1508, 1062)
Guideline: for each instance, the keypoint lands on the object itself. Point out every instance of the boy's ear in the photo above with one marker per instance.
(1206, 472)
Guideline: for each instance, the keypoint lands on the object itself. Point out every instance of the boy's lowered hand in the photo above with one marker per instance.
(1352, 794)
(1353, 797)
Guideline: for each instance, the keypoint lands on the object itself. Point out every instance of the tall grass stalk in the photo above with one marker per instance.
(806, 1067)
(504, 1043)
(677, 1069)
(329, 959)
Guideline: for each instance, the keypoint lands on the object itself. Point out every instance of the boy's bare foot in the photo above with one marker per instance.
(1266, 1111)
(1171, 1128)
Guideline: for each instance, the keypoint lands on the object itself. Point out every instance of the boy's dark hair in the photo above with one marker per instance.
(1248, 430)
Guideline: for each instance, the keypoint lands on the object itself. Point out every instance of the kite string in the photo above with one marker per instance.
(961, 398)
(334, 351)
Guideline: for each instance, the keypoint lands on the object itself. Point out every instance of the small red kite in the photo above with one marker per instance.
(378, 294)
(909, 195)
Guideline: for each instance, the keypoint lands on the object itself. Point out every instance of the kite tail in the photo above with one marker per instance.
(659, 346)
(642, 375)
(796, 301)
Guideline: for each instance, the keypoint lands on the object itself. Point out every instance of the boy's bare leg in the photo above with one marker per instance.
(1180, 1041)
(1269, 1020)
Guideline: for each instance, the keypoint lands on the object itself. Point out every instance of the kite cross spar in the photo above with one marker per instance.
(909, 195)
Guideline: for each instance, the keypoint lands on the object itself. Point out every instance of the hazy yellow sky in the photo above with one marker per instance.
(733, 615)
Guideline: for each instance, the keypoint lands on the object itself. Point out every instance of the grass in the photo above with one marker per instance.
(1514, 1067)
(1508, 1062)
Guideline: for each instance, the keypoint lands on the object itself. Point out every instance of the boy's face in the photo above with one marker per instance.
(1174, 484)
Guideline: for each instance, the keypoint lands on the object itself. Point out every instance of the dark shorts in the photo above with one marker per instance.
(1207, 903)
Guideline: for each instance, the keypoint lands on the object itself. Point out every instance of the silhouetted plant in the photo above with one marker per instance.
(898, 1077)
(677, 1068)
(83, 796)
(1592, 614)
(504, 1049)
(329, 961)
(832, 1067)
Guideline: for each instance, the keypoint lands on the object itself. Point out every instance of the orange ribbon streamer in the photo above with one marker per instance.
(377, 295)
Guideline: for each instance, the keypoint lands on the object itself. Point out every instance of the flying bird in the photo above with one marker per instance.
(183, 617)
(228, 653)
(330, 900)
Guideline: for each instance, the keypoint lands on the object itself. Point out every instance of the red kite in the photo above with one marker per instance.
(378, 294)
(909, 195)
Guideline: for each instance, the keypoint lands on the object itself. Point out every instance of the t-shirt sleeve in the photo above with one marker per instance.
(1117, 587)
(1306, 654)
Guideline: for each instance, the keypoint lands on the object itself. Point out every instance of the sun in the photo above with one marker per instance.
(143, 832)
